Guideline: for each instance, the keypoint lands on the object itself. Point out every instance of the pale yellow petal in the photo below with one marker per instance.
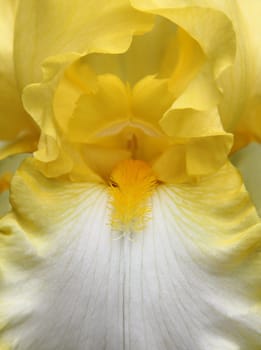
(189, 280)
(205, 142)
(170, 166)
(145, 56)
(207, 25)
(151, 98)
(188, 57)
(241, 83)
(77, 80)
(82, 26)
(165, 51)
(98, 110)
(68, 32)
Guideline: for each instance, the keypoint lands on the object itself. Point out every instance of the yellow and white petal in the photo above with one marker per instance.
(189, 280)
(67, 27)
(248, 161)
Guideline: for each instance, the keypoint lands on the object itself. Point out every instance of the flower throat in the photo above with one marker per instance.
(132, 182)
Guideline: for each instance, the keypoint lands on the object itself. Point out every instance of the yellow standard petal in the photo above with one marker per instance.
(108, 106)
(241, 83)
(66, 33)
(67, 27)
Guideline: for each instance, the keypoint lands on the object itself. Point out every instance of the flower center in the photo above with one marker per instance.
(132, 182)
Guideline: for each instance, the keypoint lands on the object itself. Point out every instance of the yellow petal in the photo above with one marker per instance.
(193, 119)
(77, 80)
(68, 27)
(145, 56)
(165, 51)
(69, 32)
(203, 21)
(189, 280)
(241, 83)
(103, 108)
(13, 118)
(170, 166)
(207, 144)
(151, 98)
(188, 57)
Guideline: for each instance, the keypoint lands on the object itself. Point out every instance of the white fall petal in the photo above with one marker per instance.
(187, 282)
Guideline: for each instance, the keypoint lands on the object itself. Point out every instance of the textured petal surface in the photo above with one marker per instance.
(189, 281)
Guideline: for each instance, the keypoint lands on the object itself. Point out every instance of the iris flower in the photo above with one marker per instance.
(129, 226)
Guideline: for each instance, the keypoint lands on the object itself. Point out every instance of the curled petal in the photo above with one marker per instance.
(63, 35)
(7, 169)
(203, 21)
(241, 83)
(68, 27)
